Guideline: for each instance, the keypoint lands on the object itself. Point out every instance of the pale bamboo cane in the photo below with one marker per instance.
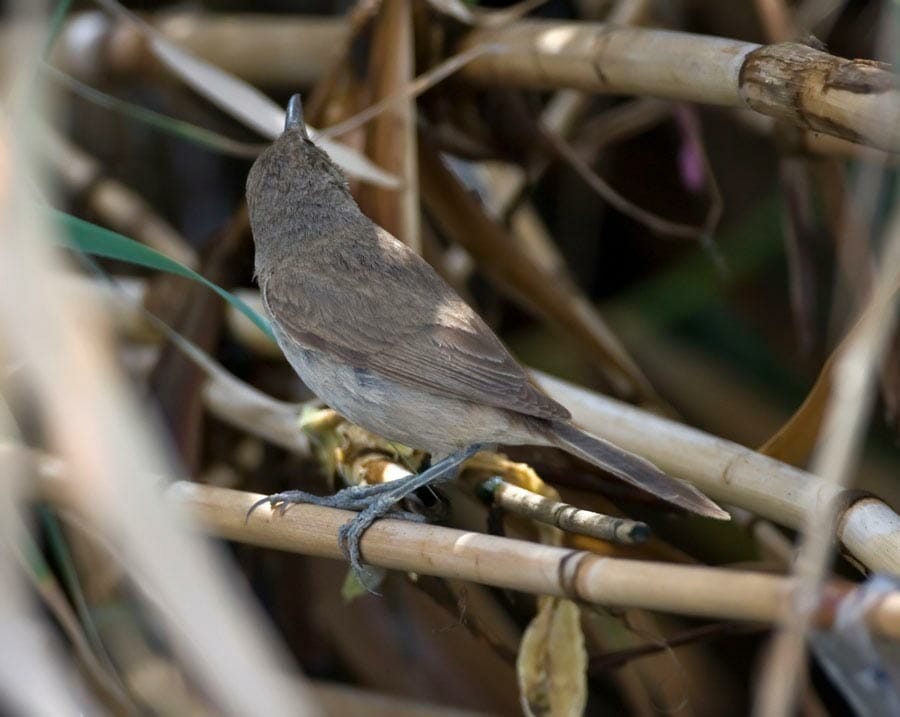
(789, 81)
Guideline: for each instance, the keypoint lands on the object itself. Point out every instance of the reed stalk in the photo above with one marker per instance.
(733, 474)
(516, 564)
(853, 99)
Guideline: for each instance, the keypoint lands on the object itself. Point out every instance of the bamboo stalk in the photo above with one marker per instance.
(514, 564)
(853, 99)
(730, 473)
(282, 51)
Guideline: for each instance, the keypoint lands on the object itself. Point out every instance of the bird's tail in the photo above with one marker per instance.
(632, 469)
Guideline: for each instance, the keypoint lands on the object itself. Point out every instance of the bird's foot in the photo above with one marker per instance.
(373, 502)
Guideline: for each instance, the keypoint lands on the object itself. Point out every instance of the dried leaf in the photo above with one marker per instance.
(552, 662)
(795, 440)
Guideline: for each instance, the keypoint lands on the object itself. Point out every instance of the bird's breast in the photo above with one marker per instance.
(410, 416)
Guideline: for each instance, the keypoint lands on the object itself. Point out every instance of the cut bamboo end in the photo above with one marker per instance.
(527, 504)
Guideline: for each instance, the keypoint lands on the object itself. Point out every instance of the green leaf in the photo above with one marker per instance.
(92, 239)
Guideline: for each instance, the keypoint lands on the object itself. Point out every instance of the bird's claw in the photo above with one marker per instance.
(372, 502)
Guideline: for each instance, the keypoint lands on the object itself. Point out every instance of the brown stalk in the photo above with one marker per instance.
(391, 136)
(705, 633)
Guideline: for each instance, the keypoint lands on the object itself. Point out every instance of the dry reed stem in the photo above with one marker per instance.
(789, 81)
(280, 51)
(528, 504)
(513, 564)
(729, 473)
(119, 207)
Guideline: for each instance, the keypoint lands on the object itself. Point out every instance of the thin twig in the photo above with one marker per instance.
(420, 84)
(627, 207)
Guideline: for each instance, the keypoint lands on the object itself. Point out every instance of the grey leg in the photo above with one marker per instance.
(374, 502)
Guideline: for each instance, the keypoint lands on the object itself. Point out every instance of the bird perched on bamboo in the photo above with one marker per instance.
(374, 332)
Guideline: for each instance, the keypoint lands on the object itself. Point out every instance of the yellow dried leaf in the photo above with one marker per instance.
(552, 663)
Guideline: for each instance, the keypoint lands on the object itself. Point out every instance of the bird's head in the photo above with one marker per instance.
(294, 189)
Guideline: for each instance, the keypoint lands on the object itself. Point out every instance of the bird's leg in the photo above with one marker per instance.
(351, 533)
(373, 501)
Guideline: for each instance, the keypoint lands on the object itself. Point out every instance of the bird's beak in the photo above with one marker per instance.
(294, 117)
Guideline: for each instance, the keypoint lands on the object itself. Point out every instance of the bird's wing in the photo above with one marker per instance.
(387, 311)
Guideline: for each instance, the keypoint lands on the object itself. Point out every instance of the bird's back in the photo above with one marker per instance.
(369, 301)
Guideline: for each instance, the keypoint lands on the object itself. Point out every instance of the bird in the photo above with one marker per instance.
(373, 330)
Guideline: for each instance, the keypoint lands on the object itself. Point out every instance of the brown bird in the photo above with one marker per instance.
(373, 330)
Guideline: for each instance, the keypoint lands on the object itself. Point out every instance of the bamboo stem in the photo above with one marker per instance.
(391, 136)
(853, 99)
(285, 51)
(730, 473)
(514, 564)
